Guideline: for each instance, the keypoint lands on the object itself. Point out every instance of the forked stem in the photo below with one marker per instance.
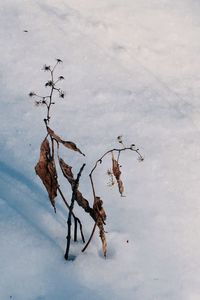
(69, 223)
(99, 161)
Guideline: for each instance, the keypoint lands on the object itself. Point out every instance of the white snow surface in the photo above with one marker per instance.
(131, 68)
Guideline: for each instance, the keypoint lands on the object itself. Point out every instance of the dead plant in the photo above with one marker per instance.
(50, 160)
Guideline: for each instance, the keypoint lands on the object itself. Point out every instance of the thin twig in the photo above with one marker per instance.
(90, 238)
(75, 230)
(81, 230)
(75, 187)
(75, 218)
(99, 161)
(48, 102)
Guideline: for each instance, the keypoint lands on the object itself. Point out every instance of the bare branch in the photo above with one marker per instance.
(99, 221)
(90, 238)
(75, 187)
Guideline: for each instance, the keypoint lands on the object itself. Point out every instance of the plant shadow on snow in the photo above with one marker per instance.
(21, 195)
(17, 175)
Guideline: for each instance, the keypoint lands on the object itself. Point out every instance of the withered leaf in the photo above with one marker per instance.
(72, 146)
(53, 135)
(121, 187)
(103, 239)
(84, 204)
(46, 170)
(99, 210)
(67, 172)
(117, 174)
(100, 216)
(116, 168)
(67, 144)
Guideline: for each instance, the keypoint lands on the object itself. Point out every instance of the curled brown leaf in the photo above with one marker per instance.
(68, 174)
(117, 174)
(46, 170)
(99, 210)
(67, 171)
(100, 216)
(103, 239)
(72, 146)
(67, 144)
(53, 135)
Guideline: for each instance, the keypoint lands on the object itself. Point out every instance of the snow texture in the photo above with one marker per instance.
(131, 68)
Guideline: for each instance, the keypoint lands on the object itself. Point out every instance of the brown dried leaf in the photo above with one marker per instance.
(103, 239)
(99, 210)
(100, 216)
(67, 172)
(72, 146)
(44, 150)
(116, 168)
(121, 187)
(67, 144)
(117, 174)
(84, 204)
(46, 170)
(53, 135)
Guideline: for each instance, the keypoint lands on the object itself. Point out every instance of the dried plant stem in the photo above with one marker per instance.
(51, 92)
(90, 238)
(46, 169)
(46, 121)
(76, 220)
(99, 161)
(75, 187)
(46, 166)
(75, 230)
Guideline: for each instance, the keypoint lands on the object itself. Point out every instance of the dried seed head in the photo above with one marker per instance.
(140, 158)
(61, 78)
(62, 94)
(32, 94)
(43, 102)
(46, 68)
(111, 181)
(49, 83)
(37, 103)
(109, 172)
(59, 61)
(119, 138)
